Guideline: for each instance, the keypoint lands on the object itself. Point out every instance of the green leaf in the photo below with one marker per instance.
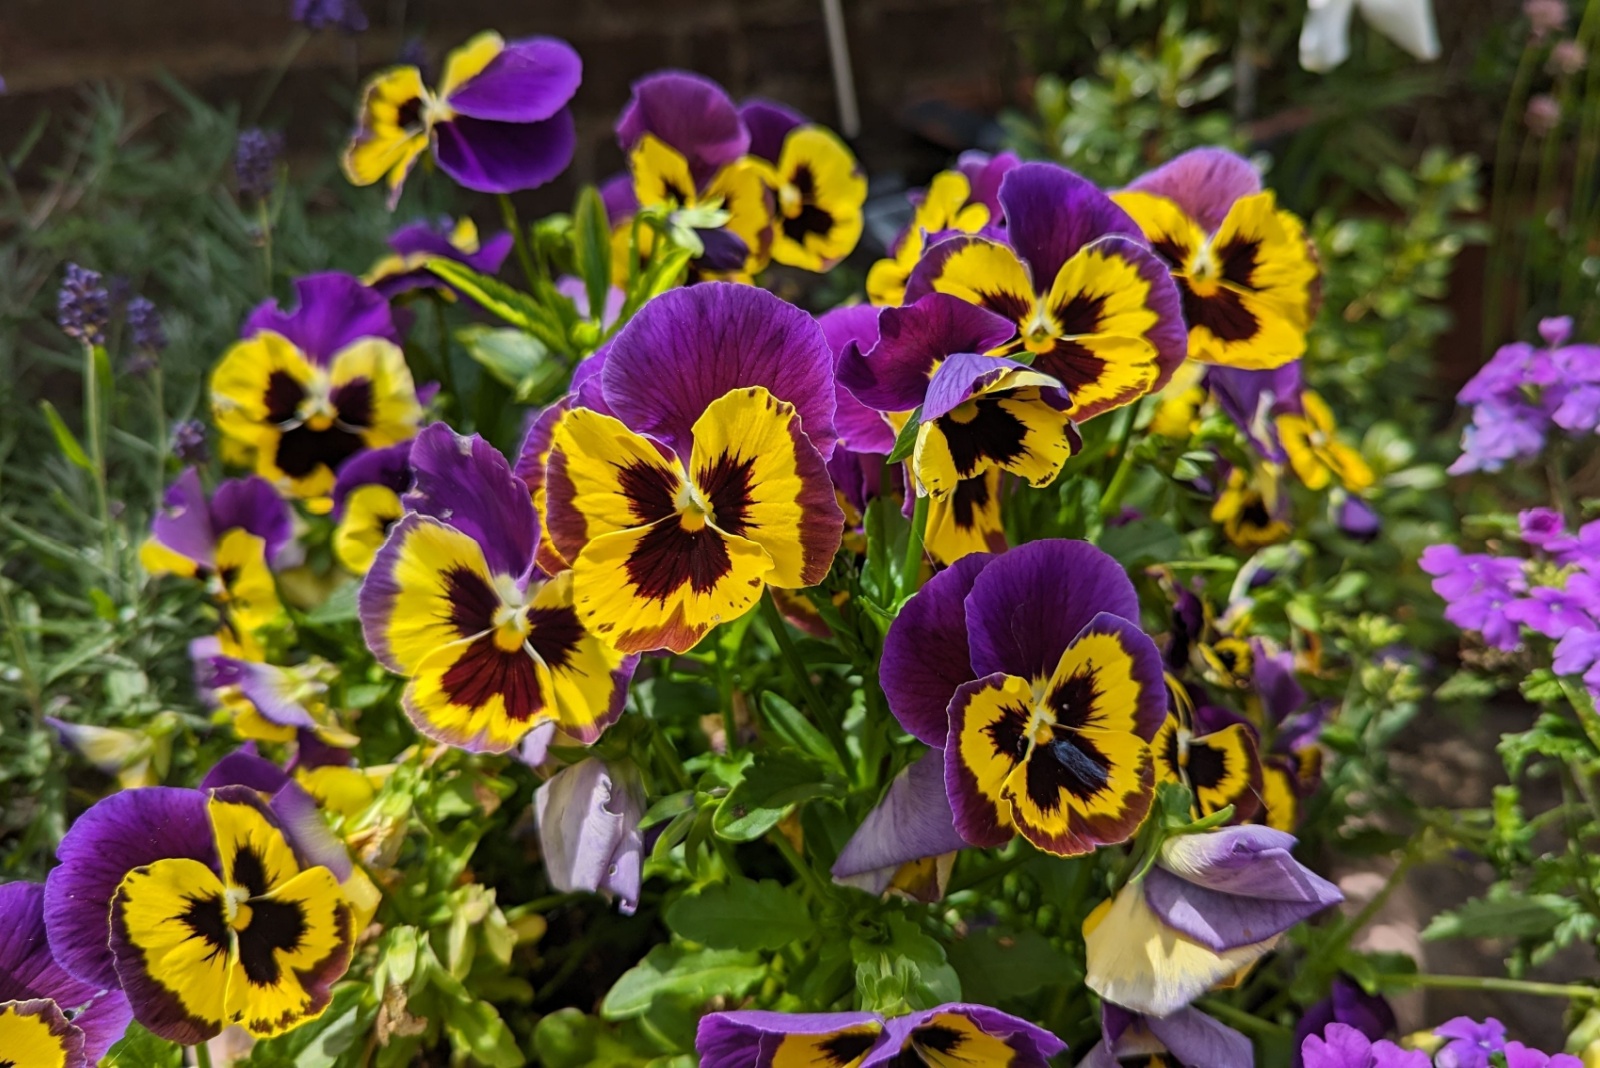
(1142, 541)
(999, 963)
(1506, 916)
(339, 607)
(591, 247)
(475, 1027)
(741, 914)
(908, 972)
(701, 974)
(905, 442)
(512, 357)
(140, 1049)
(770, 788)
(509, 303)
(790, 724)
(66, 441)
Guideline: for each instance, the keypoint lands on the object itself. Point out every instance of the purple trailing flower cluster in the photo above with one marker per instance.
(1524, 393)
(1459, 1043)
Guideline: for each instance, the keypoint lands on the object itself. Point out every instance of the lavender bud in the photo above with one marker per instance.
(255, 161)
(144, 325)
(343, 15)
(189, 442)
(82, 305)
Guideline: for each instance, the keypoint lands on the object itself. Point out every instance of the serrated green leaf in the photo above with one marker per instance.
(790, 724)
(66, 441)
(741, 914)
(1506, 916)
(701, 974)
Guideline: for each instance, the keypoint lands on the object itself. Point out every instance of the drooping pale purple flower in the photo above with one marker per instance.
(1471, 1042)
(83, 306)
(255, 161)
(1357, 520)
(1189, 1037)
(1343, 1046)
(343, 15)
(83, 1019)
(913, 821)
(1347, 1004)
(588, 817)
(953, 1033)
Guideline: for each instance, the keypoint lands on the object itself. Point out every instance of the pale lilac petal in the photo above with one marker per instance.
(530, 80)
(925, 656)
(912, 821)
(588, 824)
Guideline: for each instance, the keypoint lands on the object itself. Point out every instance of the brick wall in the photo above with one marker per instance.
(903, 52)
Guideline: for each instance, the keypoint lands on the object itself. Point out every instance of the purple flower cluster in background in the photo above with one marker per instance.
(1524, 391)
(1467, 1043)
(83, 306)
(1554, 591)
(255, 161)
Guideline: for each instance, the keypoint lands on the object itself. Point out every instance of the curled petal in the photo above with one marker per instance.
(912, 822)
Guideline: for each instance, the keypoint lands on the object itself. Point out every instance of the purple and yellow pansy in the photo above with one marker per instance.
(308, 389)
(1319, 458)
(1247, 273)
(939, 1037)
(1187, 1038)
(203, 907)
(454, 602)
(367, 505)
(497, 122)
(1091, 306)
(817, 186)
(1213, 753)
(414, 244)
(957, 201)
(705, 479)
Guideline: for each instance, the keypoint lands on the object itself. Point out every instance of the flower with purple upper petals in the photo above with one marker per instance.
(416, 243)
(45, 1012)
(83, 305)
(948, 206)
(588, 818)
(705, 480)
(985, 172)
(1254, 400)
(865, 434)
(946, 1034)
(203, 908)
(255, 161)
(1212, 904)
(270, 703)
(308, 389)
(1357, 520)
(367, 505)
(1244, 268)
(498, 122)
(816, 184)
(454, 602)
(1346, 1004)
(1343, 1046)
(1096, 308)
(975, 413)
(1029, 671)
(1186, 1039)
(1470, 1042)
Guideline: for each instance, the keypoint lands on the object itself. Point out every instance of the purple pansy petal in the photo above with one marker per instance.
(536, 443)
(857, 322)
(313, 841)
(1340, 1046)
(769, 123)
(893, 375)
(1234, 887)
(1198, 1041)
(245, 767)
(1204, 182)
(389, 466)
(984, 174)
(1026, 608)
(861, 429)
(29, 971)
(504, 157)
(688, 347)
(588, 819)
(251, 504)
(748, 1039)
(1252, 398)
(1032, 1046)
(331, 311)
(1275, 683)
(183, 522)
(965, 375)
(117, 834)
(616, 193)
(925, 655)
(529, 81)
(690, 113)
(1052, 212)
(912, 821)
(468, 483)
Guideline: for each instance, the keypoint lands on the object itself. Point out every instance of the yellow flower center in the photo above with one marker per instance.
(511, 625)
(1040, 332)
(317, 410)
(694, 511)
(790, 200)
(1203, 271)
(235, 907)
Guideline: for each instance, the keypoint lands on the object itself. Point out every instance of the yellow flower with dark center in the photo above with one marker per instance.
(370, 512)
(1252, 508)
(1315, 451)
(1220, 763)
(820, 190)
(257, 944)
(945, 206)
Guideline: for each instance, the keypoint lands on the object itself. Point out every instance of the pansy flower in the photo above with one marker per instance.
(498, 121)
(1212, 904)
(588, 818)
(133, 756)
(686, 145)
(1252, 508)
(201, 909)
(946, 206)
(229, 542)
(308, 389)
(454, 602)
(366, 503)
(269, 703)
(1213, 753)
(933, 1038)
(1029, 671)
(1311, 438)
(48, 1017)
(1186, 1039)
(975, 412)
(416, 243)
(1243, 265)
(1094, 307)
(707, 482)
(817, 184)
(1254, 399)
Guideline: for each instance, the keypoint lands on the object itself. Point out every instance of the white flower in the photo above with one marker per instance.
(1325, 37)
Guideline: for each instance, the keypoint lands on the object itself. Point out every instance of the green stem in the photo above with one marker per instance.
(911, 571)
(802, 678)
(264, 223)
(668, 756)
(1499, 209)
(202, 1055)
(1111, 500)
(1241, 1020)
(1571, 991)
(19, 649)
(519, 240)
(798, 863)
(94, 406)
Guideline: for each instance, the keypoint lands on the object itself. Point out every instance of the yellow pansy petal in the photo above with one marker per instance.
(1013, 430)
(468, 61)
(293, 943)
(1169, 229)
(745, 198)
(478, 696)
(157, 559)
(256, 386)
(369, 513)
(820, 195)
(248, 590)
(174, 948)
(429, 588)
(989, 735)
(374, 392)
(35, 1034)
(845, 1048)
(390, 130)
(660, 174)
(254, 853)
(1093, 337)
(587, 690)
(601, 477)
(988, 274)
(966, 521)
